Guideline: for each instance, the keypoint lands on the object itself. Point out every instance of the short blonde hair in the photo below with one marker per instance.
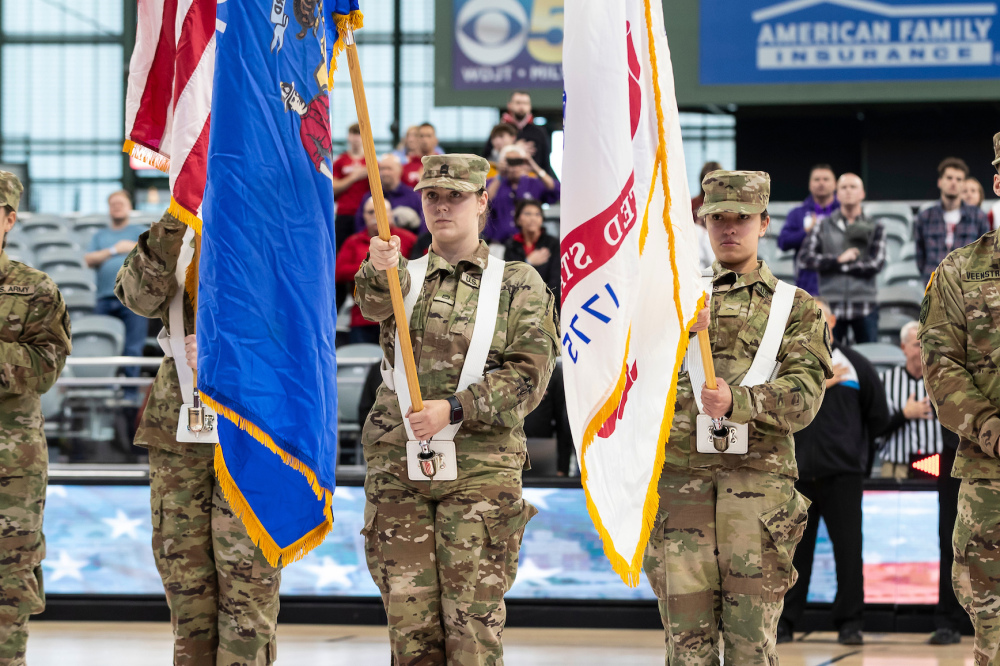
(908, 332)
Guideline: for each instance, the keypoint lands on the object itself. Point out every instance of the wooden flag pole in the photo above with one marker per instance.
(375, 182)
(706, 360)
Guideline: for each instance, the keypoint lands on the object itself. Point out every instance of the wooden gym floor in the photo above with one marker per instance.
(104, 643)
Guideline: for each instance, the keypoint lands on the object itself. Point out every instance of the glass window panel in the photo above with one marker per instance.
(63, 17)
(418, 63)
(378, 16)
(418, 16)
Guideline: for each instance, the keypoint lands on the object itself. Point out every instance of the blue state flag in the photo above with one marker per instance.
(267, 307)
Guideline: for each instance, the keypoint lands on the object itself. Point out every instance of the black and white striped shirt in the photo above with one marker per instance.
(903, 436)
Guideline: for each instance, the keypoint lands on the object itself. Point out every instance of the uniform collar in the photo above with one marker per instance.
(473, 264)
(4, 264)
(761, 274)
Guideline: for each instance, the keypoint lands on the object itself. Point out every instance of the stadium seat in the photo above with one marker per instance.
(904, 272)
(783, 269)
(80, 303)
(781, 208)
(903, 298)
(91, 223)
(23, 256)
(881, 354)
(775, 226)
(344, 315)
(53, 258)
(551, 212)
(767, 249)
(908, 252)
(890, 323)
(47, 239)
(74, 279)
(893, 246)
(924, 206)
(350, 384)
(42, 224)
(896, 228)
(886, 210)
(96, 336)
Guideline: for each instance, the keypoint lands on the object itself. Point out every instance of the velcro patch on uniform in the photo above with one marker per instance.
(981, 276)
(17, 290)
(761, 289)
(925, 307)
(470, 280)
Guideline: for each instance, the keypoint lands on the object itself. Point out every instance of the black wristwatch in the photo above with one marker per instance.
(457, 414)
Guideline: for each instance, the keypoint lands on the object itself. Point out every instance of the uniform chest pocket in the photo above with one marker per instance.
(13, 312)
(982, 313)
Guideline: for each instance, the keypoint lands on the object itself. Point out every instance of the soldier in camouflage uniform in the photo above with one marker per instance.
(960, 346)
(444, 553)
(222, 593)
(34, 342)
(727, 525)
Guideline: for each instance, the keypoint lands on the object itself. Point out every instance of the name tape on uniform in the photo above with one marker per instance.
(17, 290)
(981, 276)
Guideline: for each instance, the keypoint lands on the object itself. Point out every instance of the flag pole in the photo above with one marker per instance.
(375, 182)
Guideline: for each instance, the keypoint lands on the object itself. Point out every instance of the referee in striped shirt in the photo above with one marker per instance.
(913, 431)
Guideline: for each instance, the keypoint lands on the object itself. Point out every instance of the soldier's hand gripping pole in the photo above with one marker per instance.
(429, 461)
(720, 434)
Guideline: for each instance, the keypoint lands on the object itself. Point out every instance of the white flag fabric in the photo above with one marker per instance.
(630, 277)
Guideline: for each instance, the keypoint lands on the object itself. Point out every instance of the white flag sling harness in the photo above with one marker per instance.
(437, 458)
(725, 436)
(196, 422)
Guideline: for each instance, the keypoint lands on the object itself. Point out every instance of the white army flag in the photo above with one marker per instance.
(630, 278)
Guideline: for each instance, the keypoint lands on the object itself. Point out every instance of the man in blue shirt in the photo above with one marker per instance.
(821, 202)
(107, 252)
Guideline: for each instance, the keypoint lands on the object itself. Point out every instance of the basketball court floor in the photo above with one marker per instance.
(103, 643)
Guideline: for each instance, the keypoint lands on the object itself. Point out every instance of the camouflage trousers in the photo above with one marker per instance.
(443, 554)
(976, 569)
(22, 548)
(222, 593)
(721, 549)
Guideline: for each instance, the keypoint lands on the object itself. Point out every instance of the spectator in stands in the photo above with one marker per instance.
(533, 245)
(390, 171)
(821, 202)
(513, 185)
(698, 201)
(950, 223)
(350, 258)
(107, 252)
(913, 430)
(847, 251)
(832, 454)
(973, 195)
(427, 144)
(408, 146)
(535, 138)
(501, 136)
(350, 184)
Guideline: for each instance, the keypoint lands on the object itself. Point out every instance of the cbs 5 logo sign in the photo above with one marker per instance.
(494, 32)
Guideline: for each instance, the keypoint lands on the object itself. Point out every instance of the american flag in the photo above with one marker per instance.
(169, 98)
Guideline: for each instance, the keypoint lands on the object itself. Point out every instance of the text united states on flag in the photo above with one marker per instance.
(630, 279)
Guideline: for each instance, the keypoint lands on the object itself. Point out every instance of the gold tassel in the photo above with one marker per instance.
(355, 21)
(184, 215)
(147, 155)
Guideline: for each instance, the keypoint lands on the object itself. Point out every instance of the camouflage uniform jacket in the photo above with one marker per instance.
(146, 284)
(740, 307)
(34, 343)
(520, 362)
(960, 346)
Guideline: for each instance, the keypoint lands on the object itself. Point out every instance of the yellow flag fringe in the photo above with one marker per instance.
(355, 21)
(258, 533)
(147, 155)
(184, 215)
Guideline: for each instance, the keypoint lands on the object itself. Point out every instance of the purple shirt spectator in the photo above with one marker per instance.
(403, 195)
(500, 225)
(794, 233)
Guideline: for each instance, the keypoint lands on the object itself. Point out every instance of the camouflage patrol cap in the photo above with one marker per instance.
(735, 192)
(10, 189)
(465, 173)
(996, 148)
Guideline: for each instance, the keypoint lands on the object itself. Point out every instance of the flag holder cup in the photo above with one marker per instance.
(429, 461)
